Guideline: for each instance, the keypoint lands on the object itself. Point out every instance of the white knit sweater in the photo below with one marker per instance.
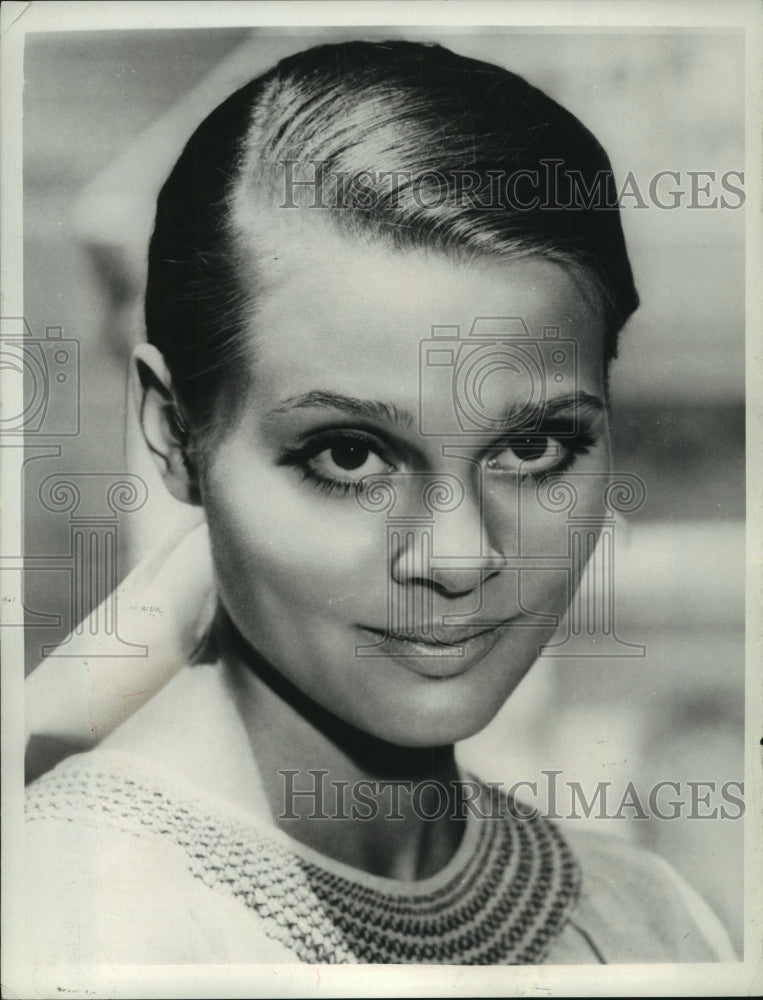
(133, 858)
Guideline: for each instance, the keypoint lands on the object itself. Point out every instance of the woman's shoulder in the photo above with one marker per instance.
(178, 745)
(108, 872)
(115, 839)
(634, 907)
(191, 734)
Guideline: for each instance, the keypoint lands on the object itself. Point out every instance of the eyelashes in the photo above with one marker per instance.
(337, 462)
(542, 453)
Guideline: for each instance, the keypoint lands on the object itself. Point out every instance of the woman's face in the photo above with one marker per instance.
(413, 621)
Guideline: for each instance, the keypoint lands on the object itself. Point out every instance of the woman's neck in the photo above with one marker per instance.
(343, 792)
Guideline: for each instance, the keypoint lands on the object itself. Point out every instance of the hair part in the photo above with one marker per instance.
(396, 109)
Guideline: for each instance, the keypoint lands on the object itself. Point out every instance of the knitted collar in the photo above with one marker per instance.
(502, 899)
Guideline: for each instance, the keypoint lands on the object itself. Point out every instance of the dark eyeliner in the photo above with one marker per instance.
(299, 458)
(317, 443)
(329, 486)
(573, 436)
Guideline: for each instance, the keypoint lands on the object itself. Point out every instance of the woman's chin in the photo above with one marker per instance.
(440, 722)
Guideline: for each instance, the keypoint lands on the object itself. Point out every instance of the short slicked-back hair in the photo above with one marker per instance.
(401, 143)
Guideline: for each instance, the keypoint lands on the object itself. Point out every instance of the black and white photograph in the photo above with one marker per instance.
(380, 557)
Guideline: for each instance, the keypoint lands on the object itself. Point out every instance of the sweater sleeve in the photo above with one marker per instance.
(635, 908)
(98, 896)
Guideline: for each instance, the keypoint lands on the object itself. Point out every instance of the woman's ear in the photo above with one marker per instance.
(162, 423)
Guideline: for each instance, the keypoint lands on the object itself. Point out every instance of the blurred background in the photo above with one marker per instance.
(105, 116)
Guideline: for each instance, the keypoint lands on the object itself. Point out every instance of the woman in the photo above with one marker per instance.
(385, 285)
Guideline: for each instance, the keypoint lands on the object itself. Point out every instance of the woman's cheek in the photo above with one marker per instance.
(541, 533)
(270, 528)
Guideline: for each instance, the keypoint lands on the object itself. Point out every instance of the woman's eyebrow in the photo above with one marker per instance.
(522, 416)
(371, 409)
(574, 401)
(536, 413)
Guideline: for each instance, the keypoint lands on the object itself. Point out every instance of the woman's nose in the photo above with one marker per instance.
(451, 553)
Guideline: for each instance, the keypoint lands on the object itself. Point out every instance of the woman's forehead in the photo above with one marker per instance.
(361, 318)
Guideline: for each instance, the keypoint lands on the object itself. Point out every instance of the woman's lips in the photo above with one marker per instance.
(431, 656)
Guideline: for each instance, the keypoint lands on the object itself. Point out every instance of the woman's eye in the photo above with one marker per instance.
(531, 454)
(347, 461)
